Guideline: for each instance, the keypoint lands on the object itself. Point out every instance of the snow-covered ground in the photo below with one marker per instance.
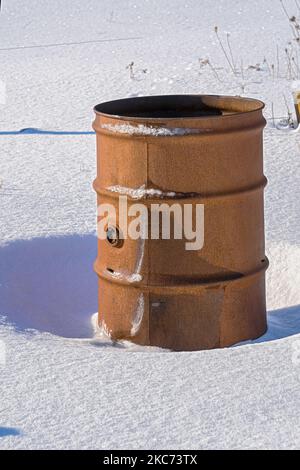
(61, 387)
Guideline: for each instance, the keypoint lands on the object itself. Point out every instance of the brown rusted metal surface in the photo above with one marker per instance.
(297, 105)
(155, 292)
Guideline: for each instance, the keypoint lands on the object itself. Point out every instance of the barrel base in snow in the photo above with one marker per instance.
(186, 317)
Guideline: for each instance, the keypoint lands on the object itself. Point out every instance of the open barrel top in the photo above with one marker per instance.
(178, 107)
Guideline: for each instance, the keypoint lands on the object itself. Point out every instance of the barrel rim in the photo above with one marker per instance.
(255, 105)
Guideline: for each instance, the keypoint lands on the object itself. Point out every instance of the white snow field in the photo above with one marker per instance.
(61, 387)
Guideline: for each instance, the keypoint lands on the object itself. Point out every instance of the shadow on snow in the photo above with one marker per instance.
(4, 432)
(48, 284)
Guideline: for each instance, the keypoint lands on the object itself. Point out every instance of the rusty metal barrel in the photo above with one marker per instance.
(183, 149)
